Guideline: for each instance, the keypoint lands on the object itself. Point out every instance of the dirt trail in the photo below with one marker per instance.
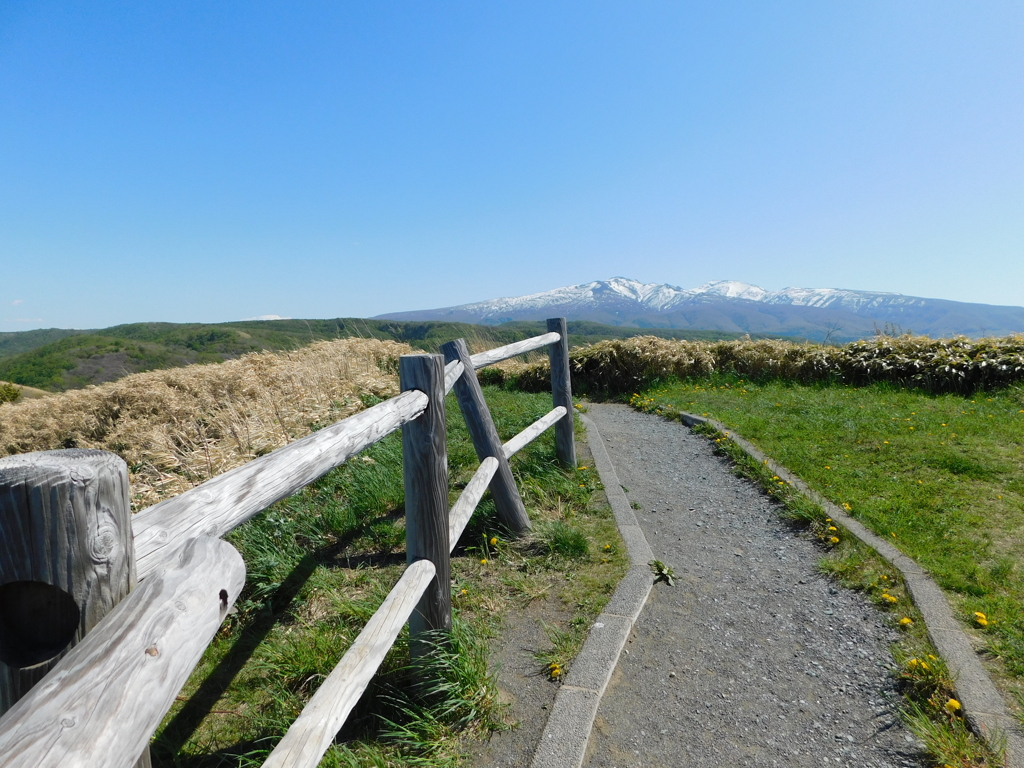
(753, 658)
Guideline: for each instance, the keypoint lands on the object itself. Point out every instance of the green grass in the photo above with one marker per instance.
(321, 562)
(939, 475)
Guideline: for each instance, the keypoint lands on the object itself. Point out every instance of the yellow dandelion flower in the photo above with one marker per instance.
(913, 663)
(832, 528)
(607, 547)
(494, 541)
(483, 561)
(464, 592)
(906, 621)
(888, 597)
(952, 706)
(834, 539)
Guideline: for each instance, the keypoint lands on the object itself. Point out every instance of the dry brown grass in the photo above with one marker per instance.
(178, 427)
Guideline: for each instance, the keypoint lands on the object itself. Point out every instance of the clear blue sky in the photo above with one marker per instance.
(213, 161)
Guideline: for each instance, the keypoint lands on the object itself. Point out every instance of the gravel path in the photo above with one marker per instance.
(753, 658)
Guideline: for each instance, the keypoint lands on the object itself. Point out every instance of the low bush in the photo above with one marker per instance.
(623, 366)
(9, 393)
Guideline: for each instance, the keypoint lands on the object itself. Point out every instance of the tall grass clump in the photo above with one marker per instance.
(176, 428)
(623, 366)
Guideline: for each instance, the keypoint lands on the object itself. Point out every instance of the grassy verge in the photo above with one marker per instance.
(321, 562)
(938, 474)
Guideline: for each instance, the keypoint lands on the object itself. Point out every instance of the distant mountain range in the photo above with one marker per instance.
(814, 313)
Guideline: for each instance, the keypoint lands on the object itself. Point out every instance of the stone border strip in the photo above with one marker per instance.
(983, 705)
(564, 741)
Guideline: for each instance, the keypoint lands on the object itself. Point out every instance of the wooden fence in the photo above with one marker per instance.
(90, 664)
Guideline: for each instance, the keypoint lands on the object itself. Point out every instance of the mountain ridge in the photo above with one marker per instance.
(833, 314)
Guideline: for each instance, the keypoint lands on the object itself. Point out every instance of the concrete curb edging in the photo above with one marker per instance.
(564, 741)
(983, 705)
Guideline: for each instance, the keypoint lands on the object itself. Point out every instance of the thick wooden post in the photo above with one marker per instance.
(425, 468)
(66, 558)
(561, 393)
(507, 501)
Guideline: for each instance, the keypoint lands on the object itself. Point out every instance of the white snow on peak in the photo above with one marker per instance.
(651, 294)
(661, 296)
(733, 289)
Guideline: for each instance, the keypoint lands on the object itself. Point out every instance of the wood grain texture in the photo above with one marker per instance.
(492, 356)
(425, 472)
(101, 704)
(313, 731)
(532, 432)
(452, 372)
(561, 393)
(225, 502)
(468, 500)
(507, 501)
(65, 557)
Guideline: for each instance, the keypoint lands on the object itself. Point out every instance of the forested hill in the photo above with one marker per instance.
(58, 359)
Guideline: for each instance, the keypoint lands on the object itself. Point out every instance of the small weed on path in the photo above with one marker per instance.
(936, 474)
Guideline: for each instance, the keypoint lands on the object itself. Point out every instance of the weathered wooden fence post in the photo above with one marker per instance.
(425, 469)
(66, 558)
(561, 393)
(507, 501)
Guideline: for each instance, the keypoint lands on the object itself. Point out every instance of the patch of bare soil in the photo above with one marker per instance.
(523, 682)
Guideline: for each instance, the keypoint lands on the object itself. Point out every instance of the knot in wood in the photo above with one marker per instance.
(104, 545)
(152, 651)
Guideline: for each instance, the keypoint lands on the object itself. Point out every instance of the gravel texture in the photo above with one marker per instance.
(753, 658)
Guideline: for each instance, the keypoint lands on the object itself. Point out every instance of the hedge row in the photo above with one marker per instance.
(939, 365)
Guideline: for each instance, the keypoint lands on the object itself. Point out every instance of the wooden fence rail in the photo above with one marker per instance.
(101, 704)
(108, 689)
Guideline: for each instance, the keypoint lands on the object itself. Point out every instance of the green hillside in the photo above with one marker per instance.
(56, 360)
(587, 332)
(48, 361)
(15, 342)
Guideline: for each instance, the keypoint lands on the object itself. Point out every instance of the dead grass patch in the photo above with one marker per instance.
(178, 427)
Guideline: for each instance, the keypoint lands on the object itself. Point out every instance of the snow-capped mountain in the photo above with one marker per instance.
(727, 305)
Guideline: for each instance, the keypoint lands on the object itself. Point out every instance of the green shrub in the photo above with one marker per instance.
(625, 366)
(9, 393)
